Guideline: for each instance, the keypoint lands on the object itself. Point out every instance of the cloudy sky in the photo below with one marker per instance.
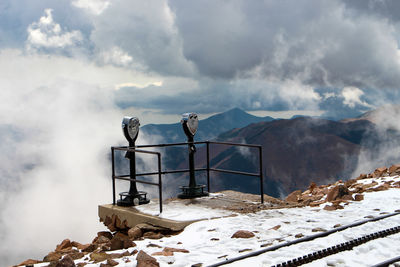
(70, 69)
(338, 58)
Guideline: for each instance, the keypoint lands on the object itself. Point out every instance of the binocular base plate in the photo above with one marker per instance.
(127, 199)
(193, 192)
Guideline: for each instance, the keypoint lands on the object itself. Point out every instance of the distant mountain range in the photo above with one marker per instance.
(296, 151)
(208, 128)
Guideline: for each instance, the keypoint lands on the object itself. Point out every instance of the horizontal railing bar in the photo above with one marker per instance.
(172, 144)
(135, 150)
(186, 143)
(235, 172)
(134, 180)
(233, 144)
(185, 170)
(163, 172)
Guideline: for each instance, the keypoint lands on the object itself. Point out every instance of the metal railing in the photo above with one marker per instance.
(207, 169)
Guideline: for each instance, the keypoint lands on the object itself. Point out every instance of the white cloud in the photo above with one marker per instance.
(60, 120)
(95, 7)
(122, 85)
(116, 56)
(352, 97)
(48, 34)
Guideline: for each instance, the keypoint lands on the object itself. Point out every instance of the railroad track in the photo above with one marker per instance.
(329, 250)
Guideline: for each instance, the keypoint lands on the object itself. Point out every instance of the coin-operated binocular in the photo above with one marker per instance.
(190, 123)
(130, 128)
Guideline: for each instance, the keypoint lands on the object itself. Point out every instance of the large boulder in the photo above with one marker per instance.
(135, 233)
(145, 260)
(294, 196)
(394, 170)
(379, 172)
(66, 243)
(337, 192)
(66, 261)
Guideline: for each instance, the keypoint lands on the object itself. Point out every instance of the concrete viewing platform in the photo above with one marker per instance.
(179, 213)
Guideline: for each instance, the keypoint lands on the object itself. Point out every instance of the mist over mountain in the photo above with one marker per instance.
(208, 128)
(296, 152)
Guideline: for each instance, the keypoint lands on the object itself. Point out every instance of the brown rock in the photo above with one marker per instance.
(362, 176)
(150, 228)
(29, 262)
(101, 240)
(102, 256)
(66, 243)
(106, 234)
(121, 236)
(135, 233)
(367, 186)
(76, 255)
(66, 261)
(379, 172)
(107, 221)
(176, 250)
(77, 245)
(312, 187)
(318, 229)
(394, 169)
(350, 182)
(317, 203)
(116, 244)
(118, 223)
(330, 207)
(145, 260)
(276, 227)
(293, 197)
(129, 243)
(53, 256)
(396, 184)
(347, 197)
(152, 235)
(299, 235)
(89, 248)
(110, 263)
(359, 197)
(243, 234)
(382, 187)
(111, 227)
(337, 192)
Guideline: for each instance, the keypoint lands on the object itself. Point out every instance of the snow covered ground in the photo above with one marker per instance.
(209, 241)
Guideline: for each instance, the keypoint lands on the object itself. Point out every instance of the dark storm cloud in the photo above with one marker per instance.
(389, 9)
(145, 30)
(317, 42)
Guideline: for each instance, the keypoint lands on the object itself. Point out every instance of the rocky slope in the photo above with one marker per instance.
(109, 248)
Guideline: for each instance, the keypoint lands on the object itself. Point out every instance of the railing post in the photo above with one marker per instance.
(159, 181)
(113, 174)
(261, 174)
(208, 166)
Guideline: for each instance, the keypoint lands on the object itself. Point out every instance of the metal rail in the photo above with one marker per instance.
(349, 245)
(304, 239)
(388, 262)
(124, 177)
(160, 172)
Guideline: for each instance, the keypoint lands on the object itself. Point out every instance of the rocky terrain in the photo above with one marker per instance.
(119, 241)
(340, 193)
